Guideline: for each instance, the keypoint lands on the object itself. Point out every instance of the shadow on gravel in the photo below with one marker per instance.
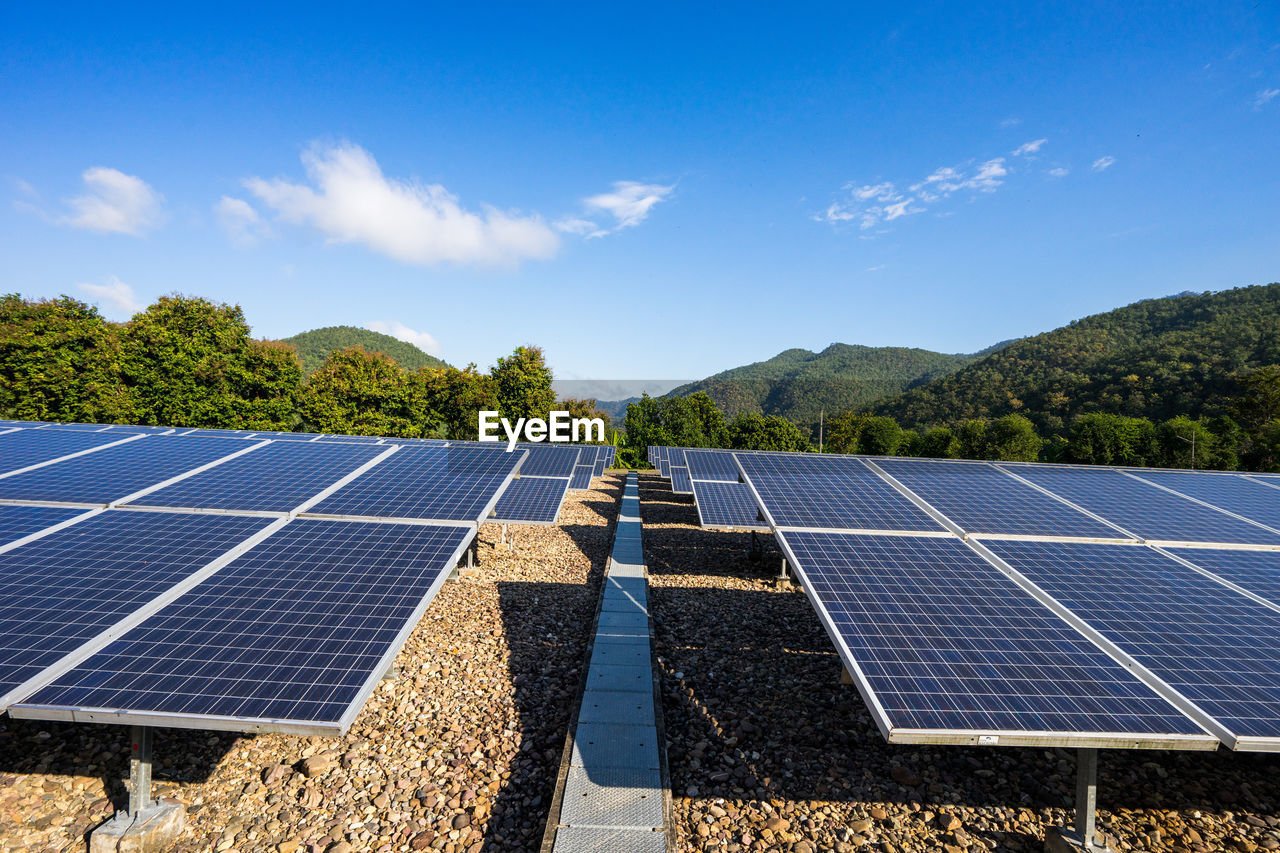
(61, 752)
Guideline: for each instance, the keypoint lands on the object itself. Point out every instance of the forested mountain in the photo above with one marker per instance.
(798, 384)
(1179, 355)
(314, 346)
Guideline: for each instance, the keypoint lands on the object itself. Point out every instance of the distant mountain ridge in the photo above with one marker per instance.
(314, 346)
(800, 384)
(1157, 358)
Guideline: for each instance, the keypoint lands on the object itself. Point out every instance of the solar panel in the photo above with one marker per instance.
(610, 455)
(133, 428)
(1253, 500)
(76, 427)
(291, 636)
(982, 499)
(549, 460)
(116, 472)
(1256, 571)
(946, 648)
(726, 505)
(1141, 508)
(712, 465)
(837, 492)
(597, 469)
(31, 446)
(675, 457)
(680, 483)
(1213, 645)
(289, 436)
(275, 478)
(531, 500)
(219, 433)
(19, 521)
(64, 589)
(349, 439)
(581, 478)
(454, 483)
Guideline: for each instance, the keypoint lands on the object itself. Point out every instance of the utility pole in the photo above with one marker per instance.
(821, 414)
(1192, 442)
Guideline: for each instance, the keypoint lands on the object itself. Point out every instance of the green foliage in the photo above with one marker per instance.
(357, 392)
(314, 347)
(1154, 359)
(1013, 438)
(880, 436)
(750, 431)
(523, 384)
(971, 436)
(799, 384)
(939, 443)
(456, 397)
(1101, 439)
(843, 431)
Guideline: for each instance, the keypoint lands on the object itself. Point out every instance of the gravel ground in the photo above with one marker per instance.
(769, 752)
(459, 753)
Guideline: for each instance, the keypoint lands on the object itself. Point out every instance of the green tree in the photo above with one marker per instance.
(1185, 443)
(456, 397)
(1013, 438)
(939, 443)
(1103, 439)
(844, 431)
(523, 384)
(880, 436)
(356, 392)
(971, 435)
(749, 431)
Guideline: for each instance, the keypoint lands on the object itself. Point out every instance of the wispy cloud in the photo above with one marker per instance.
(1029, 147)
(1011, 121)
(241, 222)
(625, 206)
(116, 299)
(1103, 163)
(422, 340)
(871, 205)
(351, 201)
(1264, 97)
(114, 203)
(1059, 171)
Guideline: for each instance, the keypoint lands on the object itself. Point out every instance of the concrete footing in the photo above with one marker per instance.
(1059, 839)
(155, 828)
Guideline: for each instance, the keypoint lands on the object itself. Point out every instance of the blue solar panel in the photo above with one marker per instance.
(219, 433)
(289, 436)
(675, 457)
(838, 492)
(532, 500)
(126, 429)
(610, 455)
(581, 478)
(115, 472)
(1253, 500)
(981, 499)
(275, 478)
(948, 644)
(1256, 571)
(549, 460)
(66, 588)
(711, 465)
(350, 439)
(1142, 508)
(726, 505)
(293, 634)
(597, 469)
(1216, 647)
(456, 483)
(75, 427)
(680, 483)
(19, 521)
(33, 446)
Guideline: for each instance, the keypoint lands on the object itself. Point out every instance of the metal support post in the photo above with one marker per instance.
(140, 770)
(1086, 794)
(471, 558)
(504, 534)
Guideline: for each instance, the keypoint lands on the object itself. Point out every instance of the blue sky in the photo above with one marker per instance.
(645, 191)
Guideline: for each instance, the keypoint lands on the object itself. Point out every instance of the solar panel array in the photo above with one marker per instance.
(1015, 603)
(221, 578)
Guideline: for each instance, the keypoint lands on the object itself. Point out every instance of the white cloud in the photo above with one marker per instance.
(628, 204)
(241, 222)
(1103, 163)
(1264, 97)
(115, 298)
(1059, 171)
(1012, 121)
(422, 340)
(874, 204)
(1029, 147)
(115, 203)
(353, 202)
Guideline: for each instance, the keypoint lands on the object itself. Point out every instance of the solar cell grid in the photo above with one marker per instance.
(31, 447)
(531, 500)
(711, 465)
(455, 483)
(1141, 508)
(290, 636)
(75, 427)
(1231, 492)
(65, 588)
(726, 505)
(982, 499)
(549, 460)
(115, 472)
(581, 478)
(19, 521)
(680, 483)
(275, 478)
(948, 644)
(219, 433)
(349, 439)
(1216, 647)
(1256, 571)
(837, 492)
